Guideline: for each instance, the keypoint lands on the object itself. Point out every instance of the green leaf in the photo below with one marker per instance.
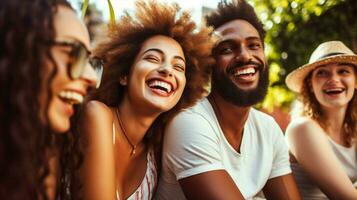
(84, 8)
(112, 14)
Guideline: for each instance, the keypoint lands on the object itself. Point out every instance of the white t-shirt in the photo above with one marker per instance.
(194, 143)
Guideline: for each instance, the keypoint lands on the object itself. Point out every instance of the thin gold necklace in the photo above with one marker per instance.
(133, 147)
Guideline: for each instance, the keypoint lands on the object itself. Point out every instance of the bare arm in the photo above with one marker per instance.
(281, 188)
(309, 145)
(212, 185)
(98, 170)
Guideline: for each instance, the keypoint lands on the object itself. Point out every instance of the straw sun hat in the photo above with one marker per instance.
(325, 53)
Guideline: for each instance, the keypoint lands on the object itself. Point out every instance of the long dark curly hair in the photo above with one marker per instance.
(125, 41)
(26, 27)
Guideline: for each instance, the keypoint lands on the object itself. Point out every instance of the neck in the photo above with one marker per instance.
(231, 117)
(334, 119)
(135, 122)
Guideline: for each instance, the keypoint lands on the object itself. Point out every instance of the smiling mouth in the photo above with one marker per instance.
(245, 71)
(244, 75)
(333, 91)
(71, 97)
(161, 86)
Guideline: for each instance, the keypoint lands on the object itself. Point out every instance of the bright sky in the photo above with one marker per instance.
(119, 5)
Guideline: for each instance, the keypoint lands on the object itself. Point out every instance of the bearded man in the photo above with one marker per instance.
(222, 148)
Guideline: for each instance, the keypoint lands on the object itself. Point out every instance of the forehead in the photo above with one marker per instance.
(69, 27)
(237, 29)
(164, 43)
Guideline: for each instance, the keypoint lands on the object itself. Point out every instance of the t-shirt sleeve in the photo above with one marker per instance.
(191, 146)
(281, 164)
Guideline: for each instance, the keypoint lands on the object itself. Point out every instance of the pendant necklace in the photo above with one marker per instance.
(133, 147)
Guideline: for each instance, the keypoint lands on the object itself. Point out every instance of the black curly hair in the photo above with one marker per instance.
(26, 27)
(235, 9)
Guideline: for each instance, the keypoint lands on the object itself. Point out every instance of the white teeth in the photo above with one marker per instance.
(162, 84)
(334, 90)
(71, 97)
(250, 70)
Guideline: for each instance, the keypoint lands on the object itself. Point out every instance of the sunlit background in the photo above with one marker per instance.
(294, 29)
(195, 6)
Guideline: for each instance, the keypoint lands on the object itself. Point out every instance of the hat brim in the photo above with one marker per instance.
(295, 79)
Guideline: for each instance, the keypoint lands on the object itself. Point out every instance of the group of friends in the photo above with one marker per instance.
(163, 109)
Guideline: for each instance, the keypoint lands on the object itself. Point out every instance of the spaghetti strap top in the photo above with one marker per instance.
(113, 135)
(148, 185)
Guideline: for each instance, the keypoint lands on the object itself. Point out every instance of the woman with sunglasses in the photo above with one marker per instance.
(44, 72)
(155, 63)
(323, 143)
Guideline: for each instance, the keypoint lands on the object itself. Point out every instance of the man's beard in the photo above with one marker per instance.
(242, 98)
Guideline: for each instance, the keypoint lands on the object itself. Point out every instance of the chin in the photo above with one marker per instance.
(60, 126)
(162, 107)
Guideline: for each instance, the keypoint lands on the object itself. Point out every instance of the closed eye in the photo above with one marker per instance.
(179, 67)
(152, 58)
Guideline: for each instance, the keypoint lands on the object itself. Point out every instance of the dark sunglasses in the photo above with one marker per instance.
(79, 56)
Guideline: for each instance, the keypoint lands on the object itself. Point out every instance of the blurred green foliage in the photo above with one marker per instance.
(110, 7)
(294, 30)
(84, 8)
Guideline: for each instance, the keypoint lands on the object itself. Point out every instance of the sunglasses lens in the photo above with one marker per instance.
(97, 65)
(80, 56)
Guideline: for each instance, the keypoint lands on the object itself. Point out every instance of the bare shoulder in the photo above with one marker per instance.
(303, 127)
(97, 110)
(97, 119)
(306, 136)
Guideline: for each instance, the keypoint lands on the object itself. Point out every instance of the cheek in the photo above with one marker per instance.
(223, 61)
(182, 81)
(139, 72)
(261, 55)
(58, 120)
(315, 86)
(355, 81)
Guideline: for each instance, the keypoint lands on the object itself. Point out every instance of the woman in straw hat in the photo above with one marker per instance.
(323, 142)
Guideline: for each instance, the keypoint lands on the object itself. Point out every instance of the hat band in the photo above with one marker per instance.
(329, 55)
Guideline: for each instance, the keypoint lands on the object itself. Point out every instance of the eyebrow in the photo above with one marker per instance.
(254, 38)
(251, 38)
(69, 38)
(162, 53)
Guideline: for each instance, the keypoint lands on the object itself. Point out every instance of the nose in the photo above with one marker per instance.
(333, 77)
(90, 76)
(243, 55)
(165, 69)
